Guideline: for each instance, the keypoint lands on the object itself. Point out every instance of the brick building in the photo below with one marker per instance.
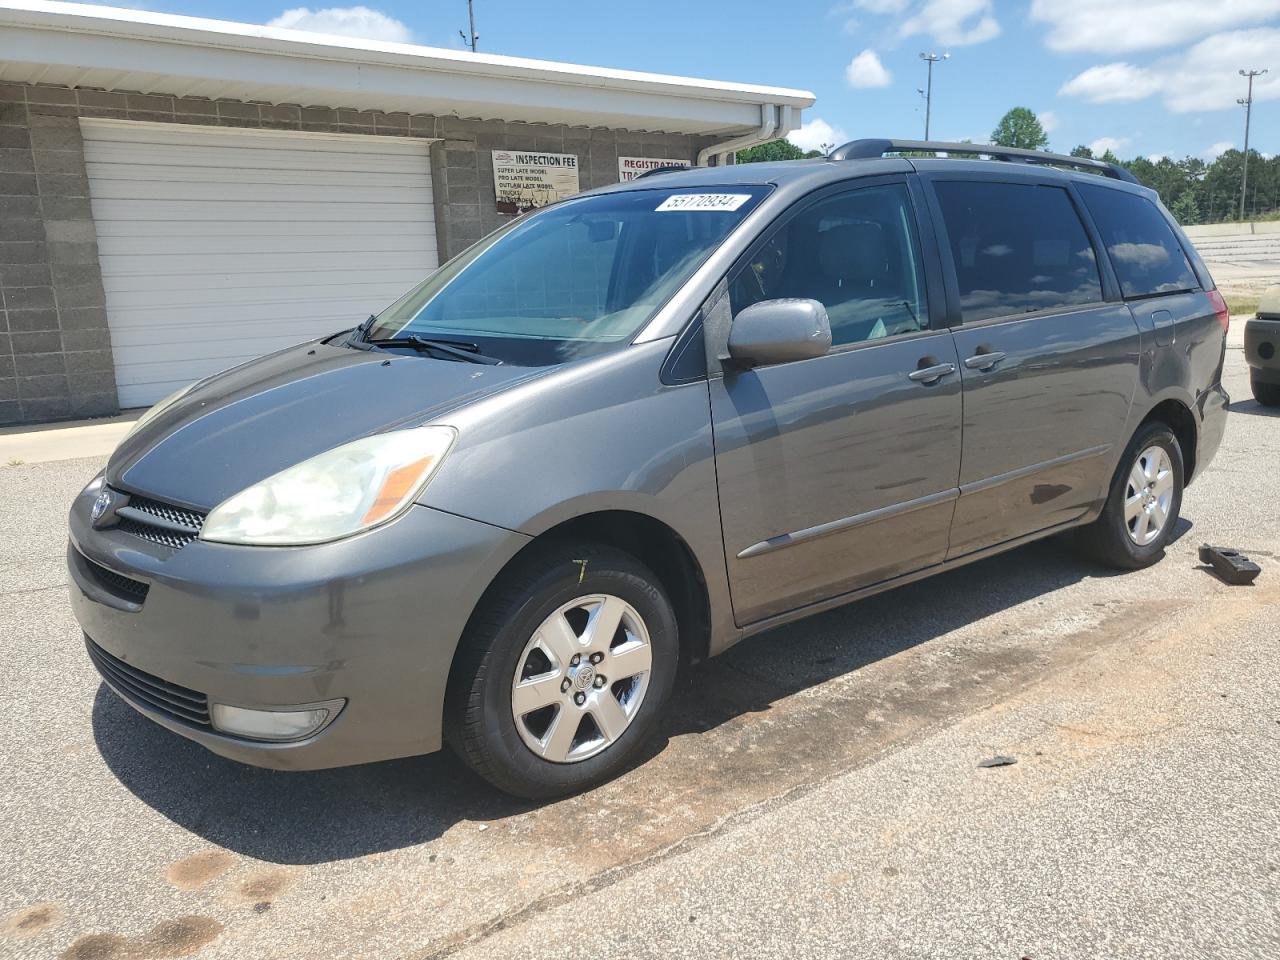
(179, 195)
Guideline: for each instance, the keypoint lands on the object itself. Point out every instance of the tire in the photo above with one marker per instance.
(1267, 394)
(519, 625)
(1118, 538)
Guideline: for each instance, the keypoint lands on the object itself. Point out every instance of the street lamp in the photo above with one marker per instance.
(1247, 103)
(470, 38)
(931, 59)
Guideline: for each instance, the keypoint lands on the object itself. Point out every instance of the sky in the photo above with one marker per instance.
(1141, 77)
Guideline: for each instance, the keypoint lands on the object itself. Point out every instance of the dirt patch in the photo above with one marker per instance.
(31, 920)
(266, 886)
(173, 938)
(178, 938)
(97, 946)
(193, 872)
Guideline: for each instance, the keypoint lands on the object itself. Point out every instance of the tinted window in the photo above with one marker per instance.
(1017, 248)
(1144, 251)
(856, 253)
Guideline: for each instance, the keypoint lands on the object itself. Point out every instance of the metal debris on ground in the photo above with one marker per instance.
(1231, 566)
(998, 761)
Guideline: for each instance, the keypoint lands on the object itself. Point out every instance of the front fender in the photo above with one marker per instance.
(600, 435)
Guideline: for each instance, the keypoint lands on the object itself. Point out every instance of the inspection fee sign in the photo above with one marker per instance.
(523, 181)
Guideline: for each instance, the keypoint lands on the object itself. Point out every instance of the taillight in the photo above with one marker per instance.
(1220, 308)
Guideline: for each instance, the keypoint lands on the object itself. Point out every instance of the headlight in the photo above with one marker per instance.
(340, 492)
(157, 409)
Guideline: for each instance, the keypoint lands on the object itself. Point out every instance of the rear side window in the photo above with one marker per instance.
(1017, 248)
(1147, 257)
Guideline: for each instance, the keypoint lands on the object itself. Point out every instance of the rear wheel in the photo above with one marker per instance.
(1267, 394)
(1143, 503)
(565, 670)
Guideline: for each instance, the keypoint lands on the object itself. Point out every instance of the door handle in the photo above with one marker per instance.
(984, 361)
(932, 374)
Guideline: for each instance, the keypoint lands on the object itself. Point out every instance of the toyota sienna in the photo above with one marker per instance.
(627, 430)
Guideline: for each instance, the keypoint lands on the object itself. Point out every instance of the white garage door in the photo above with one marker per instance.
(221, 245)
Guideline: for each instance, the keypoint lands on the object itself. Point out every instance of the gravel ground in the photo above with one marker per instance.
(817, 791)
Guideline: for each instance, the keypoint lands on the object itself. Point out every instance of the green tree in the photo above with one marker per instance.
(1020, 128)
(774, 150)
(1185, 209)
(1083, 152)
(1200, 192)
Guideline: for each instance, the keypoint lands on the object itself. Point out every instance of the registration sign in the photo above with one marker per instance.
(629, 168)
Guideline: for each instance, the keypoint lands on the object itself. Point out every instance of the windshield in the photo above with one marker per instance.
(575, 279)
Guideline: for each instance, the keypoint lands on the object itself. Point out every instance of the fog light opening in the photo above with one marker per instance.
(272, 724)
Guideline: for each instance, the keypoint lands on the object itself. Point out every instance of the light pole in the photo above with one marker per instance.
(931, 59)
(471, 37)
(1247, 103)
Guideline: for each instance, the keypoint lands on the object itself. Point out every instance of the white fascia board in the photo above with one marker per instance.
(85, 45)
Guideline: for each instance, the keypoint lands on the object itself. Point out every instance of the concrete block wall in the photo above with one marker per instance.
(55, 348)
(55, 351)
(462, 166)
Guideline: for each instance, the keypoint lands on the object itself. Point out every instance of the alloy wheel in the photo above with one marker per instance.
(1148, 495)
(581, 678)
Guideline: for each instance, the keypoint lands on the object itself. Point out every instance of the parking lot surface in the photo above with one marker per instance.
(817, 790)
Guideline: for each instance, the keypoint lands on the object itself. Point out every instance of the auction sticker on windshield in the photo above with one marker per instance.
(704, 201)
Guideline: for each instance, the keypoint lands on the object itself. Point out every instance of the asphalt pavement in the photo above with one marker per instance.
(817, 790)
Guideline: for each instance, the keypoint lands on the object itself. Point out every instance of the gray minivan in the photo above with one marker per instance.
(628, 430)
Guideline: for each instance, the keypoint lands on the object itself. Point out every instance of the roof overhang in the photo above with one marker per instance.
(75, 44)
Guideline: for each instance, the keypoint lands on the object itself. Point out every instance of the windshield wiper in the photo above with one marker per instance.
(454, 349)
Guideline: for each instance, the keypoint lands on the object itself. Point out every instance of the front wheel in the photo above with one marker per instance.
(564, 671)
(1143, 503)
(1267, 394)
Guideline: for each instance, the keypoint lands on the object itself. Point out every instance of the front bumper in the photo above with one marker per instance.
(372, 620)
(1262, 349)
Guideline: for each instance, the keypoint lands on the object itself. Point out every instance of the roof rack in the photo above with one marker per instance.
(669, 168)
(865, 149)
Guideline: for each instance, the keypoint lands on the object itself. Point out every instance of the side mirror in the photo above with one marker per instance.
(778, 331)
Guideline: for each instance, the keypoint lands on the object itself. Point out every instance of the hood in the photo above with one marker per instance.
(255, 420)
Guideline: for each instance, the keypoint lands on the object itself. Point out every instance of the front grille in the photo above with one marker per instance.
(178, 703)
(145, 531)
(135, 591)
(159, 522)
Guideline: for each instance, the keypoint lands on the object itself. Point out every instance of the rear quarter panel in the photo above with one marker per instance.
(1182, 358)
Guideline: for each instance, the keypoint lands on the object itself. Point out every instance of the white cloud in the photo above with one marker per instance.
(345, 21)
(954, 22)
(881, 6)
(1112, 82)
(1119, 26)
(1048, 120)
(1103, 144)
(1217, 149)
(1204, 77)
(817, 134)
(866, 70)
